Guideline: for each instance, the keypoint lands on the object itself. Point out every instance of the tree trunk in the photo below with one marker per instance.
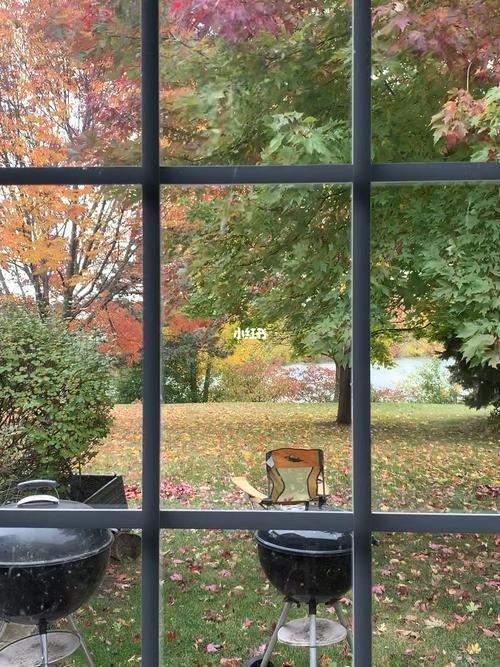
(207, 380)
(337, 383)
(344, 388)
(193, 379)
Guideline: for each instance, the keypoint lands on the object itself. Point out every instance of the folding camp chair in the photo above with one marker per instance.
(294, 477)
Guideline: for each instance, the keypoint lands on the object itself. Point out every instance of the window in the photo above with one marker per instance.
(361, 174)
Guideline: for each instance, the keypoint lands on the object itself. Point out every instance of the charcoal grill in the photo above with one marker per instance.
(307, 567)
(48, 573)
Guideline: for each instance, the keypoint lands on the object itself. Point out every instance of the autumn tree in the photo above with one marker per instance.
(191, 343)
(71, 251)
(256, 96)
(269, 83)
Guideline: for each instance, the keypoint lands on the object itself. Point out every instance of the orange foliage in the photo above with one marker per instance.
(124, 330)
(179, 323)
(73, 251)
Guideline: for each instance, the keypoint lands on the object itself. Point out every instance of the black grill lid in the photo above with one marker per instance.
(306, 542)
(50, 546)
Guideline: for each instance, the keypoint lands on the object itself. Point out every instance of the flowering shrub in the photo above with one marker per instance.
(387, 395)
(259, 380)
(317, 384)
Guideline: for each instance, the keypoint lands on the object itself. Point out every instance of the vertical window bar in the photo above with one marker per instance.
(152, 333)
(361, 156)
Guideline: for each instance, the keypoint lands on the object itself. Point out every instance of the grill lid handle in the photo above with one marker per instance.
(52, 500)
(36, 483)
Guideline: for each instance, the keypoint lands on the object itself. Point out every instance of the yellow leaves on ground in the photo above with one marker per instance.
(205, 444)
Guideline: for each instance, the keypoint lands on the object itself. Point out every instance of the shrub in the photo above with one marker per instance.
(481, 383)
(248, 381)
(128, 384)
(388, 395)
(55, 398)
(317, 384)
(431, 383)
(262, 380)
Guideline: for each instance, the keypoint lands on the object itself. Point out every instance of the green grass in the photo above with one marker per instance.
(435, 595)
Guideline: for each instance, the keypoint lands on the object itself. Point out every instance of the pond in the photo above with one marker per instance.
(384, 378)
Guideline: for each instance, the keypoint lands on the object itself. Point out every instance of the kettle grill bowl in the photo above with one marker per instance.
(305, 578)
(30, 594)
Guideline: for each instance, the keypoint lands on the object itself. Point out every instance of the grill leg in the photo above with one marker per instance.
(312, 635)
(86, 654)
(343, 620)
(42, 633)
(272, 642)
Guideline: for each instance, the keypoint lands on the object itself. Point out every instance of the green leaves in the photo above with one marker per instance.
(480, 346)
(299, 138)
(54, 396)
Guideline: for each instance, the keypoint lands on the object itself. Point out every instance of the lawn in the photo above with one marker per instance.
(434, 595)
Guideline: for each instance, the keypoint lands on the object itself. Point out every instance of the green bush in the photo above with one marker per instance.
(128, 384)
(55, 398)
(430, 384)
(481, 382)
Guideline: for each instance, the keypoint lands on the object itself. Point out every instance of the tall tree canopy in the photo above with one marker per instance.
(71, 251)
(282, 95)
(269, 82)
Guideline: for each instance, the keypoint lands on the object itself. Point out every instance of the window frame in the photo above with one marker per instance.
(361, 173)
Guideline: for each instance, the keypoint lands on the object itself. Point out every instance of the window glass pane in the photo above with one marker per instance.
(83, 583)
(70, 85)
(220, 607)
(256, 304)
(435, 80)
(434, 600)
(71, 332)
(435, 342)
(250, 83)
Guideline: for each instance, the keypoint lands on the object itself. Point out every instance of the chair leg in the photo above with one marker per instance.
(343, 621)
(88, 659)
(3, 628)
(272, 642)
(313, 661)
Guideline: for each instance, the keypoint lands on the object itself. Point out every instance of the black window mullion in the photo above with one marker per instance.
(152, 333)
(361, 173)
(360, 241)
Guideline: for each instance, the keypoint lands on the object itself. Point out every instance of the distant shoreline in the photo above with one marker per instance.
(381, 378)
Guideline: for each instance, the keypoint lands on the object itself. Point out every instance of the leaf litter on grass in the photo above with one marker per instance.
(423, 459)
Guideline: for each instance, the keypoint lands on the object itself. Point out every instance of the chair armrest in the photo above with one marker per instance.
(243, 484)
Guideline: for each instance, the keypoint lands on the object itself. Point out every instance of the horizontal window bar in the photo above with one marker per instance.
(402, 522)
(339, 173)
(75, 518)
(248, 174)
(254, 519)
(418, 172)
(427, 522)
(430, 172)
(70, 175)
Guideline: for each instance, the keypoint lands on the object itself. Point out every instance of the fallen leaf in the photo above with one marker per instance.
(213, 648)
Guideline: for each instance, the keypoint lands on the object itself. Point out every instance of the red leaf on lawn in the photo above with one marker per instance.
(213, 588)
(213, 648)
